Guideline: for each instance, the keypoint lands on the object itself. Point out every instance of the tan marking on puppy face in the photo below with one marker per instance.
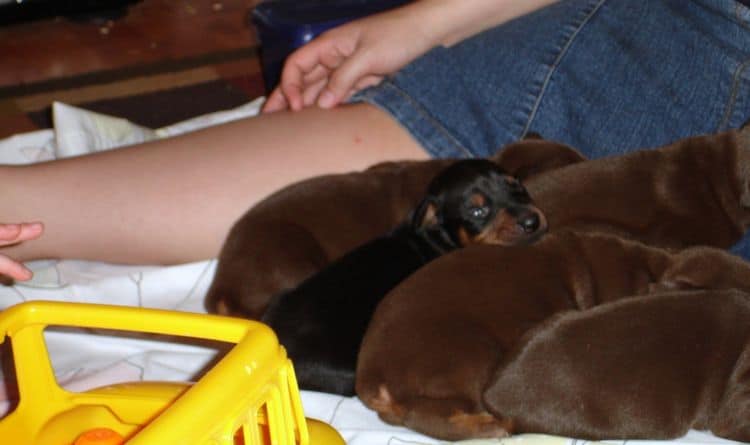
(478, 199)
(505, 230)
(430, 216)
(464, 238)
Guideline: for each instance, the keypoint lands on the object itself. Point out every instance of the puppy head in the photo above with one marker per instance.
(475, 201)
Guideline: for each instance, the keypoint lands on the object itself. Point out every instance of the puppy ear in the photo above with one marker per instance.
(533, 135)
(530, 157)
(426, 214)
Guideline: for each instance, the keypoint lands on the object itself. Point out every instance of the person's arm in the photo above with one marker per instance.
(346, 59)
(456, 20)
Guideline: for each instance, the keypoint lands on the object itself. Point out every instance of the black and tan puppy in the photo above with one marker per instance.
(435, 341)
(303, 227)
(644, 368)
(321, 322)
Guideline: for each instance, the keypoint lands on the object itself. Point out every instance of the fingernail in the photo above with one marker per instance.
(326, 99)
(25, 274)
(11, 228)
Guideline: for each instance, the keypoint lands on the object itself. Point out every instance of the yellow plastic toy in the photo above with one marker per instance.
(249, 398)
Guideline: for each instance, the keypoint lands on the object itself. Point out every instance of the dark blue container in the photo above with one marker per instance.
(284, 25)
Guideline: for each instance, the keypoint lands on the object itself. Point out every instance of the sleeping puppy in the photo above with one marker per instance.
(644, 368)
(435, 340)
(321, 322)
(695, 191)
(300, 229)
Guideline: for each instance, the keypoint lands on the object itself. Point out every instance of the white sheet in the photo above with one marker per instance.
(82, 361)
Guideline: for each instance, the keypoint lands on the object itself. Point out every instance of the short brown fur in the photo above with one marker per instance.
(644, 368)
(435, 341)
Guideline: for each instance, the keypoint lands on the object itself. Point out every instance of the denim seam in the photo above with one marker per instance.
(733, 97)
(738, 9)
(556, 63)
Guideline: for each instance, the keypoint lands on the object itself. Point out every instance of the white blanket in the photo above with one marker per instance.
(85, 361)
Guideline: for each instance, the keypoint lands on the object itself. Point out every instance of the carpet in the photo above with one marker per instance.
(165, 107)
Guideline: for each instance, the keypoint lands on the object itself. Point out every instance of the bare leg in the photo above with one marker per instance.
(173, 200)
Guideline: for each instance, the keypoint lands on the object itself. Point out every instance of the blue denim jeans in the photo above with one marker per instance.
(605, 76)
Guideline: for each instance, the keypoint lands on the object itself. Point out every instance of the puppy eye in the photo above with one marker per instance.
(479, 212)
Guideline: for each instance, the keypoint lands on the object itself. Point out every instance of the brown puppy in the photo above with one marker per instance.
(692, 192)
(436, 339)
(644, 368)
(302, 228)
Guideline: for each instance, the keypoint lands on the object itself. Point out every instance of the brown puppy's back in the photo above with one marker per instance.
(435, 340)
(649, 367)
(692, 192)
(467, 307)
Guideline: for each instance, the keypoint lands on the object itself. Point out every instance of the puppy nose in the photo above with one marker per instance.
(529, 223)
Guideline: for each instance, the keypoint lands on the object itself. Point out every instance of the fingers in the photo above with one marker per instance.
(329, 69)
(15, 233)
(343, 79)
(298, 69)
(275, 102)
(14, 269)
(293, 94)
(309, 64)
(308, 70)
(314, 83)
(12, 234)
(365, 82)
(313, 91)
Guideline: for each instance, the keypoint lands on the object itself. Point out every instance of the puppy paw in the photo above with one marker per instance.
(386, 407)
(481, 425)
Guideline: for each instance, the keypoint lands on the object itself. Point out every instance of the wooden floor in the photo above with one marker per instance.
(158, 45)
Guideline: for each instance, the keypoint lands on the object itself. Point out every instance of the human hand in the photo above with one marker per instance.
(13, 234)
(353, 56)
